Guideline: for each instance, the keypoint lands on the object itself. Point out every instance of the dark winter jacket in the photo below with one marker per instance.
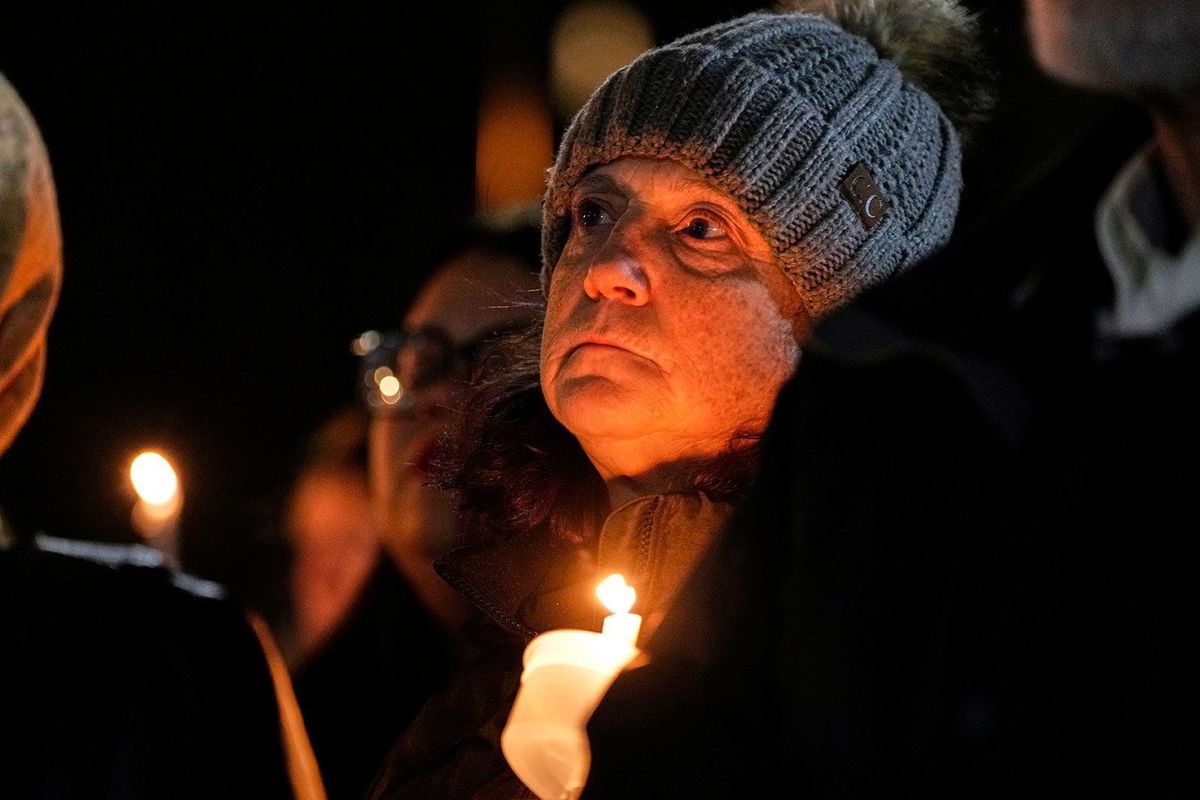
(367, 682)
(117, 684)
(969, 566)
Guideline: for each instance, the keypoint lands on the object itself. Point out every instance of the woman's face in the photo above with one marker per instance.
(669, 326)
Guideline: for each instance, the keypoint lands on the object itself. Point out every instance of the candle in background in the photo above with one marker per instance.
(566, 674)
(160, 500)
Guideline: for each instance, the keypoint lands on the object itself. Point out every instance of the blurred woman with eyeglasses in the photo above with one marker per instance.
(395, 641)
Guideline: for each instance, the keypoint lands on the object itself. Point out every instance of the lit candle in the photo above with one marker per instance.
(618, 597)
(160, 500)
(566, 673)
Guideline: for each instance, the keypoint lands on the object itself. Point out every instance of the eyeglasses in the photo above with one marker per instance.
(397, 366)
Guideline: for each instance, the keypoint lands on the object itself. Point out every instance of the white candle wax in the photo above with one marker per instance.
(623, 628)
(566, 673)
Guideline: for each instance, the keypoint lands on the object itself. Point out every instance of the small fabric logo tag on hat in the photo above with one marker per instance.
(859, 189)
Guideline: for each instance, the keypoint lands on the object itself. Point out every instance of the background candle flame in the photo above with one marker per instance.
(154, 478)
(615, 594)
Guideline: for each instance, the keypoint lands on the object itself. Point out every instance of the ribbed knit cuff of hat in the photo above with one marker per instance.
(777, 111)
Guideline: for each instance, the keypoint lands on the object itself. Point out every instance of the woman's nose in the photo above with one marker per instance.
(616, 271)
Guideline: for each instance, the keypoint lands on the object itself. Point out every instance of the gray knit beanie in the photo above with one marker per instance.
(850, 171)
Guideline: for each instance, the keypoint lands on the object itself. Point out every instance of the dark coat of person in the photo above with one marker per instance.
(364, 686)
(968, 566)
(116, 683)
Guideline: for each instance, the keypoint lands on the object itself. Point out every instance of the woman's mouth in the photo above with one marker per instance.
(605, 342)
(598, 345)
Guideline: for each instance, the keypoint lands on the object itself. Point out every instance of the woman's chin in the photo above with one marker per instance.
(598, 407)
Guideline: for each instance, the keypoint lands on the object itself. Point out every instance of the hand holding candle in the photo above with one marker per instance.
(566, 674)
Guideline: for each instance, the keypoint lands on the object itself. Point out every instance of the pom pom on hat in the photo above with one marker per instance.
(936, 44)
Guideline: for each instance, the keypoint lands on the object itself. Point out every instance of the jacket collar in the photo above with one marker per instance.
(530, 584)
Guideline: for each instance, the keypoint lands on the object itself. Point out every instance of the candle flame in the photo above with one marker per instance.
(390, 388)
(615, 594)
(154, 478)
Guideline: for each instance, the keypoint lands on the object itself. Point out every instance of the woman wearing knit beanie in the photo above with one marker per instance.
(708, 202)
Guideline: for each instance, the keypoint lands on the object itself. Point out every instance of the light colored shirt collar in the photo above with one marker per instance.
(1152, 288)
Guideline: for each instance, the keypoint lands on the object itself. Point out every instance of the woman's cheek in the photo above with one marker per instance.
(558, 307)
(752, 354)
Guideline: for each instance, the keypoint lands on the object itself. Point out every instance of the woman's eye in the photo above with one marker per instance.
(591, 214)
(704, 228)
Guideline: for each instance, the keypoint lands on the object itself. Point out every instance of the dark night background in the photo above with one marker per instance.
(243, 191)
